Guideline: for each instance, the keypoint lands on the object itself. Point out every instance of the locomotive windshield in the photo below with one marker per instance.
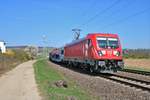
(108, 42)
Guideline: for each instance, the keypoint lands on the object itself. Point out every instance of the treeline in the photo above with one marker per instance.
(136, 53)
(12, 58)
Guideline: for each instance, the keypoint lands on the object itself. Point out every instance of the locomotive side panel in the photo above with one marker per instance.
(75, 51)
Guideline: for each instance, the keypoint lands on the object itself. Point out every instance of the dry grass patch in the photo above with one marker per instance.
(138, 63)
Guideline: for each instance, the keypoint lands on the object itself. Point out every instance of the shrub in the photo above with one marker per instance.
(136, 53)
(12, 58)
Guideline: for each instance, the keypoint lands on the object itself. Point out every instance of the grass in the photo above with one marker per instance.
(136, 68)
(46, 76)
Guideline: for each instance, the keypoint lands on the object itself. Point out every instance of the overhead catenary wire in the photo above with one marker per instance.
(117, 11)
(127, 18)
(101, 12)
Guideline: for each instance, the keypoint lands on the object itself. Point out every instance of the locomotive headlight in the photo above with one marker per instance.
(102, 52)
(116, 53)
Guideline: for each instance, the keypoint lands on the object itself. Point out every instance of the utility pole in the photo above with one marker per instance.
(44, 47)
(76, 33)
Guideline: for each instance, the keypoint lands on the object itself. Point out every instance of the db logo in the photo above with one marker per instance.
(109, 53)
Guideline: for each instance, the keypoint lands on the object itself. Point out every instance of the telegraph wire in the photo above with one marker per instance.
(127, 18)
(101, 12)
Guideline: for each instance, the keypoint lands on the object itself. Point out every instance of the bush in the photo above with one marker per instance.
(12, 58)
(136, 53)
(21, 55)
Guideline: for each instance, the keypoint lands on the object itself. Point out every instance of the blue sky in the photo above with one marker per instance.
(24, 22)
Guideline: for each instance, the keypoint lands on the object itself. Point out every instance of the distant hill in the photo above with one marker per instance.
(25, 46)
(16, 47)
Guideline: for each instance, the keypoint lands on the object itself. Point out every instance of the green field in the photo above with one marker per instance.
(46, 76)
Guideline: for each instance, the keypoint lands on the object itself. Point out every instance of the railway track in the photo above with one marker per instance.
(132, 82)
(137, 72)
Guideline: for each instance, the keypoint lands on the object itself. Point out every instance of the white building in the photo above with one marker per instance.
(2, 47)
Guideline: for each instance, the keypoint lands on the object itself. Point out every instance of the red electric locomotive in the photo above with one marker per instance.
(99, 52)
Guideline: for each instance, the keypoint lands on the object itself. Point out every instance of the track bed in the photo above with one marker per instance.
(102, 88)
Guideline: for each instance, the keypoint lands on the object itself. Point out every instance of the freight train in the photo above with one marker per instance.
(97, 52)
(57, 55)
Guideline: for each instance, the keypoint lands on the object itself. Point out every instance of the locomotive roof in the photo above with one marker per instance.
(75, 41)
(92, 35)
(103, 34)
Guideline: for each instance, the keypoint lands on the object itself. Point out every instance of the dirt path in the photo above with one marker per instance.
(19, 84)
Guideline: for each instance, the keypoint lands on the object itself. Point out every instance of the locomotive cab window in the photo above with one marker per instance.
(107, 42)
(102, 42)
(113, 43)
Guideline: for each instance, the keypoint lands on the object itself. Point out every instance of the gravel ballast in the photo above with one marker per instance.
(132, 75)
(102, 88)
